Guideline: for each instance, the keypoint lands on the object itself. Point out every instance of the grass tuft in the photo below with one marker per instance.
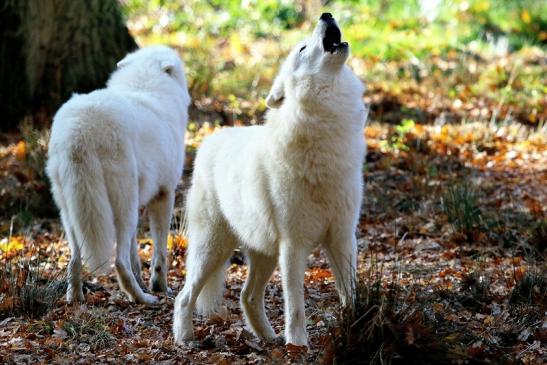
(91, 328)
(530, 289)
(25, 290)
(384, 327)
(460, 205)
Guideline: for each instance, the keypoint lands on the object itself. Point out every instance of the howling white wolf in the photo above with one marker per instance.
(113, 151)
(281, 189)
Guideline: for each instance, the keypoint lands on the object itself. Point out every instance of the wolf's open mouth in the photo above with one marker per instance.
(332, 36)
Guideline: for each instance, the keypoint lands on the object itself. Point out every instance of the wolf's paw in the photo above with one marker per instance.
(159, 285)
(267, 334)
(183, 336)
(277, 340)
(159, 289)
(296, 339)
(148, 299)
(188, 344)
(75, 296)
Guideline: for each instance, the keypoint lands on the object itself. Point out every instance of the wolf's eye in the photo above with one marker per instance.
(301, 49)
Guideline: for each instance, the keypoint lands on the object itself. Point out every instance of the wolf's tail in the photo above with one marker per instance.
(80, 191)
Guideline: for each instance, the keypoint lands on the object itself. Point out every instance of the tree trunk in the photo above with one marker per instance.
(53, 48)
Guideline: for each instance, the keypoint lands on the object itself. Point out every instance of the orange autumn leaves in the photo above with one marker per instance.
(478, 144)
(9, 246)
(174, 241)
(20, 151)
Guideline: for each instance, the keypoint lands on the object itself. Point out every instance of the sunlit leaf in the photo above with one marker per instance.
(15, 243)
(20, 151)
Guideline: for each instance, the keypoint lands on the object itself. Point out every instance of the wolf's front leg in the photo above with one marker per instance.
(292, 262)
(160, 210)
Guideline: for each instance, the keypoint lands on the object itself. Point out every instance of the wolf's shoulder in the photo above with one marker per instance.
(98, 106)
(99, 98)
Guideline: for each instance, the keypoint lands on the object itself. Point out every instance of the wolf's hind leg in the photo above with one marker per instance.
(159, 211)
(124, 202)
(74, 291)
(209, 247)
(126, 278)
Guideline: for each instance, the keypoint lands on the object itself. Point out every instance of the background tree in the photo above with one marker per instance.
(51, 49)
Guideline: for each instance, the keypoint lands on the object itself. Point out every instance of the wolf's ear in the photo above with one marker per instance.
(276, 95)
(167, 66)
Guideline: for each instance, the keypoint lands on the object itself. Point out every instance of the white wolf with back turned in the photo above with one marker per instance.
(281, 189)
(115, 150)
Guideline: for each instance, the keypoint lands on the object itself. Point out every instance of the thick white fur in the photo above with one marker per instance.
(115, 150)
(279, 190)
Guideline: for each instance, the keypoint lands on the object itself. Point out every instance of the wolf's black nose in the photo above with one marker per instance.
(326, 16)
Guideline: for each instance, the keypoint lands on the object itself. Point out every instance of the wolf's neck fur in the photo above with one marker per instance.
(301, 141)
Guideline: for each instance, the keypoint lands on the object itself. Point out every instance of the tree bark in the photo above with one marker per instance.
(53, 48)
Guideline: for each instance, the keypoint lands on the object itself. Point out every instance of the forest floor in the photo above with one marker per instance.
(451, 266)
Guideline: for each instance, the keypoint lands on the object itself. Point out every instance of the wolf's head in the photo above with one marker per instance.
(157, 67)
(315, 68)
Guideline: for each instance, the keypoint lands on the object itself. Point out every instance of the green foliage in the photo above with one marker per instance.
(405, 29)
(397, 140)
(522, 22)
(385, 29)
(234, 47)
(221, 18)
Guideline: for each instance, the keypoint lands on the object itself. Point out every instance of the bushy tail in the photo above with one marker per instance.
(78, 181)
